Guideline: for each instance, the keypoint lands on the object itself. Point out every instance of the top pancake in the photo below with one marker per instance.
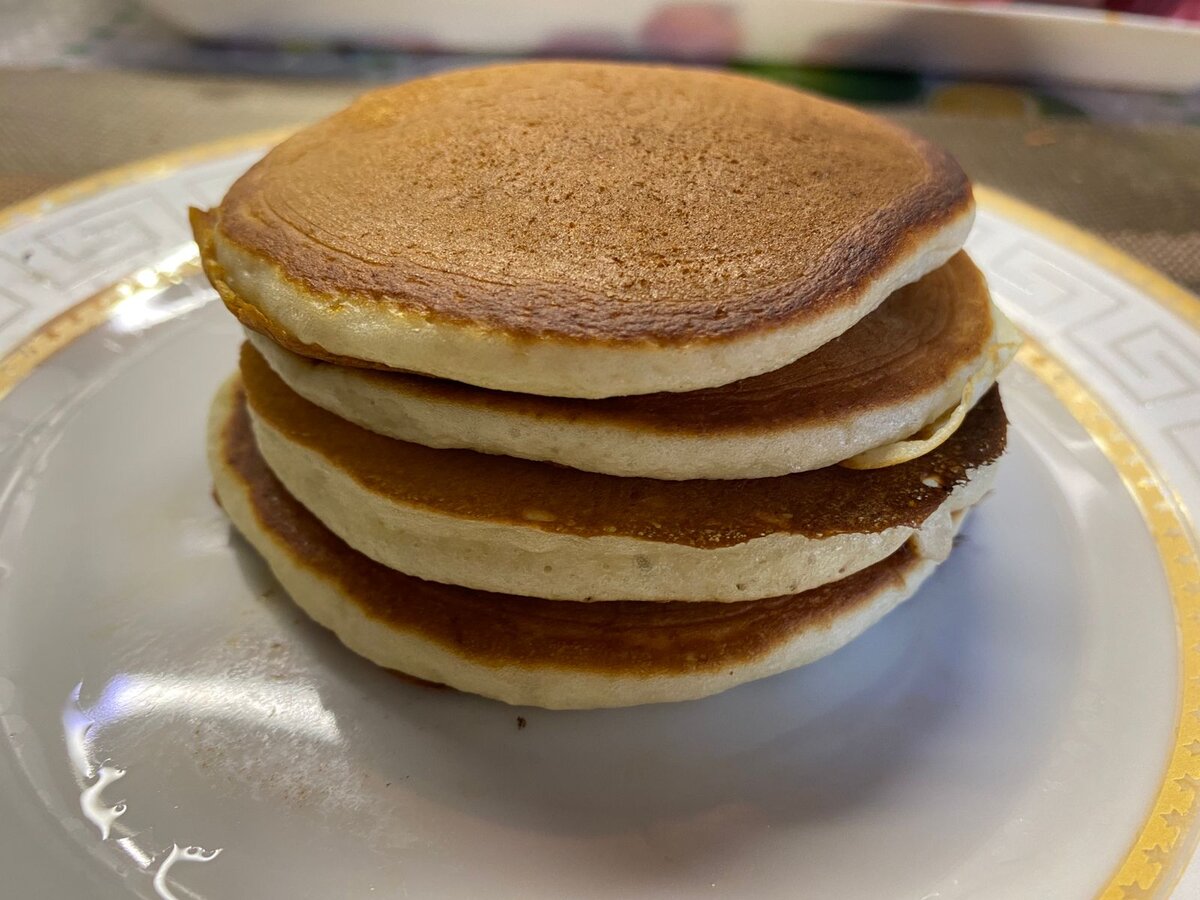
(579, 229)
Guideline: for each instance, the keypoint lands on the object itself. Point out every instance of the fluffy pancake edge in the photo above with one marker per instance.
(555, 681)
(648, 436)
(528, 552)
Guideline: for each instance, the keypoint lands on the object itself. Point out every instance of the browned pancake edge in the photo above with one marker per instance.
(919, 338)
(700, 513)
(619, 638)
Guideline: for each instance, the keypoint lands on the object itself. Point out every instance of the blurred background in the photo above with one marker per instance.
(1089, 108)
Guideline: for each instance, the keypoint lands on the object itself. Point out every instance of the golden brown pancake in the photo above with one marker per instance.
(895, 371)
(499, 523)
(524, 650)
(582, 229)
(705, 514)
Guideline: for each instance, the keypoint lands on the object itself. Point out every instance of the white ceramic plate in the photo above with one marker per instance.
(1023, 41)
(1027, 726)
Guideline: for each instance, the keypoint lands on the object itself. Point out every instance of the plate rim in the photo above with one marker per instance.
(1166, 841)
(158, 165)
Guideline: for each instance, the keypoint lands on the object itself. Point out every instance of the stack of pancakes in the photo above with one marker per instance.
(584, 385)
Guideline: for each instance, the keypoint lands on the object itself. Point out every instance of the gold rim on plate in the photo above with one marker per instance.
(1168, 837)
(148, 169)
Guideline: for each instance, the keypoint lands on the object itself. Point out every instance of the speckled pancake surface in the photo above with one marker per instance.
(516, 526)
(523, 650)
(582, 229)
(892, 373)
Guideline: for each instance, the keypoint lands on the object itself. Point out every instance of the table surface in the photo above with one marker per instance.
(1136, 186)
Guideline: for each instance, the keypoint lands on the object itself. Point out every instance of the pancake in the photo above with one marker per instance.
(581, 229)
(897, 370)
(519, 527)
(527, 651)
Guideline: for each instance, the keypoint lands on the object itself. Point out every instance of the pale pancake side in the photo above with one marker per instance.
(894, 372)
(581, 229)
(515, 526)
(526, 651)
